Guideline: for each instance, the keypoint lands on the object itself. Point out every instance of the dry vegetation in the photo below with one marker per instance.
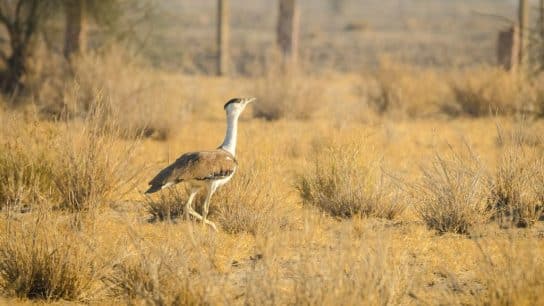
(319, 213)
(403, 185)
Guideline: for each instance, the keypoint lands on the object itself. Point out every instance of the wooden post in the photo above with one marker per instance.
(541, 19)
(541, 31)
(75, 35)
(508, 48)
(523, 20)
(222, 37)
(287, 29)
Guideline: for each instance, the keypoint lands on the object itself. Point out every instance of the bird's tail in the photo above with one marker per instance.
(153, 188)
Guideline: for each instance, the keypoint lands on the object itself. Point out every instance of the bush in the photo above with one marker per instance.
(517, 194)
(26, 169)
(452, 195)
(287, 94)
(91, 165)
(73, 167)
(511, 272)
(248, 204)
(402, 90)
(132, 94)
(42, 261)
(169, 205)
(342, 187)
(492, 91)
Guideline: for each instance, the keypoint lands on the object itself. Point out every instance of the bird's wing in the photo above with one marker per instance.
(203, 165)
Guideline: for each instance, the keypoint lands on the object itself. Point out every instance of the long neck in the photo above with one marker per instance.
(229, 144)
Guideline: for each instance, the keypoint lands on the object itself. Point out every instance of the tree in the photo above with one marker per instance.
(222, 37)
(75, 32)
(105, 13)
(287, 30)
(21, 19)
(523, 19)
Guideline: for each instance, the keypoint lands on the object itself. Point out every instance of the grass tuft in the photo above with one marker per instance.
(340, 186)
(41, 261)
(452, 195)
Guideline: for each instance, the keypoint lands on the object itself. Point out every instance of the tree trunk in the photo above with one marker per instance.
(16, 68)
(523, 20)
(287, 29)
(222, 37)
(75, 36)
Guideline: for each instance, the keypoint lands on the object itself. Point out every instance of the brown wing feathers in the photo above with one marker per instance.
(204, 165)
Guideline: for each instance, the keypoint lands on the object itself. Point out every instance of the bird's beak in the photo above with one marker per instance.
(250, 100)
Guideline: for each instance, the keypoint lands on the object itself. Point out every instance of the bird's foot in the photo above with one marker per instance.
(210, 223)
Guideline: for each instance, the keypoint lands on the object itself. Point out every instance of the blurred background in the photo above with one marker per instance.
(406, 58)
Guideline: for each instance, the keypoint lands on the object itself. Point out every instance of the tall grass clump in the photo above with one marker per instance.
(452, 194)
(25, 176)
(512, 272)
(43, 260)
(155, 276)
(92, 167)
(135, 95)
(354, 270)
(340, 185)
(26, 168)
(248, 204)
(517, 192)
(489, 91)
(287, 94)
(168, 205)
(406, 91)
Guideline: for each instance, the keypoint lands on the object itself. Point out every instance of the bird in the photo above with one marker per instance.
(205, 170)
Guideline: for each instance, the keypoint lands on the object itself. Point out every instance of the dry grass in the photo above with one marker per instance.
(341, 186)
(516, 193)
(452, 194)
(489, 91)
(71, 170)
(154, 276)
(289, 94)
(249, 205)
(40, 260)
(521, 262)
(404, 91)
(168, 205)
(25, 175)
(133, 95)
(270, 249)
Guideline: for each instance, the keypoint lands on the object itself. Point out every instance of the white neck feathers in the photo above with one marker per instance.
(229, 144)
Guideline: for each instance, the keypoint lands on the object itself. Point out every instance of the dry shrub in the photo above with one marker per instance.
(487, 91)
(249, 204)
(512, 272)
(134, 95)
(90, 171)
(42, 260)
(26, 172)
(91, 165)
(72, 166)
(341, 186)
(355, 270)
(155, 276)
(403, 90)
(516, 194)
(287, 93)
(168, 206)
(452, 194)
(245, 205)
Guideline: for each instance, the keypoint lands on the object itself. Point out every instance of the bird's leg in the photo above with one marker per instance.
(188, 208)
(206, 208)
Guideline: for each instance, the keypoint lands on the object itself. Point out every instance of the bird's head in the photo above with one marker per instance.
(237, 105)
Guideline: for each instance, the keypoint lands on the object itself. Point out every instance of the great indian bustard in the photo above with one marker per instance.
(207, 170)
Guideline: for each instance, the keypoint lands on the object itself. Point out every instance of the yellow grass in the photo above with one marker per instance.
(271, 247)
